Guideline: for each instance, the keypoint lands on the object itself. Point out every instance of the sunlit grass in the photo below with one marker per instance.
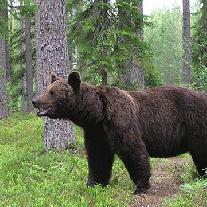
(31, 177)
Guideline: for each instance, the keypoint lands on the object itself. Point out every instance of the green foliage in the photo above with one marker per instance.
(152, 76)
(16, 59)
(105, 36)
(95, 42)
(199, 47)
(164, 37)
(91, 31)
(30, 177)
(17, 55)
(3, 18)
(13, 94)
(193, 191)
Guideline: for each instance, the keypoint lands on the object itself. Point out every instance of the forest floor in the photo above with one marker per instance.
(31, 177)
(165, 182)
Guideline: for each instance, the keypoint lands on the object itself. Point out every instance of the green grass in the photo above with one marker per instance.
(193, 191)
(31, 177)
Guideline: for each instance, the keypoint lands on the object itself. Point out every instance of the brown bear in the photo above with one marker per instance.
(159, 122)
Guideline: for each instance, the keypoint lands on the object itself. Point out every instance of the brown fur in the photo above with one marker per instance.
(158, 122)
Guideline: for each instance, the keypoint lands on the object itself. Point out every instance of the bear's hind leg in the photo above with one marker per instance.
(100, 157)
(135, 157)
(199, 155)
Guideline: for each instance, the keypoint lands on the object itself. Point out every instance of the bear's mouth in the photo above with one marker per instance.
(44, 111)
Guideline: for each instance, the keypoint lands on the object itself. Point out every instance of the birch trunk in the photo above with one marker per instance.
(52, 56)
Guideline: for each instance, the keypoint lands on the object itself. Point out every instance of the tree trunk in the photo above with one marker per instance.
(8, 64)
(26, 66)
(140, 33)
(104, 76)
(102, 10)
(204, 20)
(132, 71)
(23, 81)
(186, 43)
(104, 48)
(3, 61)
(11, 16)
(24, 105)
(28, 57)
(204, 15)
(3, 95)
(8, 60)
(52, 56)
(133, 76)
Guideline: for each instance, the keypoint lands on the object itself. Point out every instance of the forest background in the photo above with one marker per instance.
(110, 43)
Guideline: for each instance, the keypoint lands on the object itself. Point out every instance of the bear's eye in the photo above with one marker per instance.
(51, 93)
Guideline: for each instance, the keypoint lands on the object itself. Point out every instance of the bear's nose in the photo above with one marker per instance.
(35, 103)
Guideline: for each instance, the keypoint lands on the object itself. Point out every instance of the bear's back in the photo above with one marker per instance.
(181, 99)
(170, 117)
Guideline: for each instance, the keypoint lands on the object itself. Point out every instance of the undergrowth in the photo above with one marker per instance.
(30, 177)
(192, 192)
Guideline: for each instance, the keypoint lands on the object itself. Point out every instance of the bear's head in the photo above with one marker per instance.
(59, 97)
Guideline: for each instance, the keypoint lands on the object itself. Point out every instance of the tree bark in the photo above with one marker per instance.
(3, 94)
(8, 64)
(26, 66)
(23, 80)
(3, 60)
(28, 58)
(186, 43)
(133, 76)
(52, 56)
(104, 49)
(24, 105)
(140, 33)
(8, 60)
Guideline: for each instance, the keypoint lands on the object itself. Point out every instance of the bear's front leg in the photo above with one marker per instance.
(132, 151)
(100, 157)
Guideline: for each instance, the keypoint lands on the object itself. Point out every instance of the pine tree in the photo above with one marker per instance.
(28, 58)
(132, 74)
(199, 47)
(98, 30)
(3, 60)
(52, 56)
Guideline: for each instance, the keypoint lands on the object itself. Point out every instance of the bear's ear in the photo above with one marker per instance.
(53, 78)
(74, 80)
